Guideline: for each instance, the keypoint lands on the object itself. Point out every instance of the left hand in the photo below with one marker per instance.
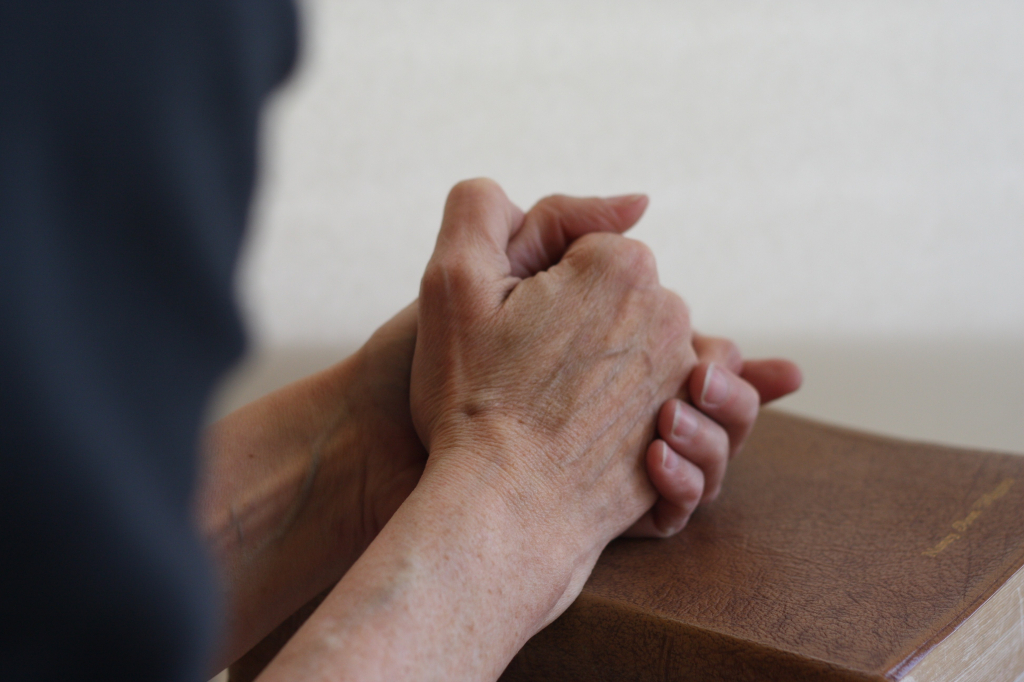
(687, 463)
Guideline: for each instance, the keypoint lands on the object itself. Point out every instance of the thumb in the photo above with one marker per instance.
(478, 222)
(557, 221)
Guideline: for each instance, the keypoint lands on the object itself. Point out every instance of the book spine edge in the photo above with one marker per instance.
(598, 639)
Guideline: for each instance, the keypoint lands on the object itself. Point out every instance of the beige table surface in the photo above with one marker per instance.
(957, 393)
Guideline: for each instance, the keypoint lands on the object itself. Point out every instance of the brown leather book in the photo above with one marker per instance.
(830, 555)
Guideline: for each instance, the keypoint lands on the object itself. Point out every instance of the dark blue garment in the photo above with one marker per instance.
(127, 157)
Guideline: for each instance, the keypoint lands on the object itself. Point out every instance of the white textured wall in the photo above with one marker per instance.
(832, 171)
(814, 168)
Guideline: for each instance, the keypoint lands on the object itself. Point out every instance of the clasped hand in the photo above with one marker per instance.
(552, 363)
(562, 396)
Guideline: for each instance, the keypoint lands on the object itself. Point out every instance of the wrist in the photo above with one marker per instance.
(451, 588)
(548, 552)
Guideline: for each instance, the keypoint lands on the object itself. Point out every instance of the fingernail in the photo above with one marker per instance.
(668, 459)
(716, 387)
(684, 422)
(625, 199)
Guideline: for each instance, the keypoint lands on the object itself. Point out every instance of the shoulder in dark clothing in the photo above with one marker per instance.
(127, 158)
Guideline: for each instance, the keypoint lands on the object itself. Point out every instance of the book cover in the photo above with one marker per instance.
(830, 555)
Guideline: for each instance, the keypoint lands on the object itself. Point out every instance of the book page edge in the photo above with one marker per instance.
(988, 645)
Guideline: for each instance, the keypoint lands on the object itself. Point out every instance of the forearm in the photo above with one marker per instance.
(297, 484)
(451, 588)
(280, 502)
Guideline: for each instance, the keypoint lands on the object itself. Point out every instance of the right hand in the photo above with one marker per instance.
(544, 391)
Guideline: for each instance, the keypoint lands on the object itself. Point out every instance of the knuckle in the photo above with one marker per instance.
(678, 312)
(743, 406)
(473, 199)
(730, 353)
(666, 528)
(751, 401)
(474, 190)
(591, 251)
(553, 204)
(681, 308)
(448, 278)
(718, 440)
(434, 284)
(551, 211)
(637, 260)
(690, 488)
(626, 261)
(722, 350)
(673, 323)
